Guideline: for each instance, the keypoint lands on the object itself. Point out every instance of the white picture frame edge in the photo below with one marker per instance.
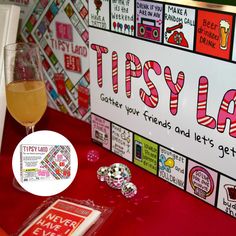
(9, 20)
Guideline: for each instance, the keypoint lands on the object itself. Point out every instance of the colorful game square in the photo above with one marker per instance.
(44, 2)
(54, 9)
(53, 59)
(42, 28)
(83, 12)
(32, 20)
(85, 36)
(214, 34)
(72, 63)
(83, 97)
(49, 15)
(179, 26)
(87, 76)
(172, 167)
(227, 195)
(60, 84)
(46, 65)
(64, 31)
(69, 84)
(48, 50)
(202, 182)
(69, 10)
(101, 131)
(29, 26)
(145, 154)
(30, 39)
(149, 23)
(122, 142)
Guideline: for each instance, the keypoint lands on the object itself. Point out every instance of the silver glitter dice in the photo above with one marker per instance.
(102, 173)
(129, 190)
(118, 176)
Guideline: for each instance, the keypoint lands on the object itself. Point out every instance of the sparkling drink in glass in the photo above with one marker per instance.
(25, 89)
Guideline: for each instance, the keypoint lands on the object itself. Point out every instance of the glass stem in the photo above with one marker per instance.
(29, 129)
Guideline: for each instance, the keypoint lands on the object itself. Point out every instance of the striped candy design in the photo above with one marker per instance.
(128, 72)
(152, 99)
(175, 88)
(100, 50)
(229, 97)
(115, 71)
(202, 118)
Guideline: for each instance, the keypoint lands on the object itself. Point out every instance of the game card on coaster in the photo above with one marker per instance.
(44, 157)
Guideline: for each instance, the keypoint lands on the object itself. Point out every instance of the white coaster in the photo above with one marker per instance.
(45, 163)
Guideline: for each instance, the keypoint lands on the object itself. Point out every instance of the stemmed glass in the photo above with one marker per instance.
(25, 88)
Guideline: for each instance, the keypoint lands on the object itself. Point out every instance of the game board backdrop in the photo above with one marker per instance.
(60, 28)
(163, 93)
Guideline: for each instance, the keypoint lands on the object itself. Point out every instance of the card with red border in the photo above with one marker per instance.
(63, 218)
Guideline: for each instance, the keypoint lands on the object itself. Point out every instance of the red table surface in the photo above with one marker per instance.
(159, 208)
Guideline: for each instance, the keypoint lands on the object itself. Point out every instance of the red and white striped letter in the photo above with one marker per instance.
(152, 99)
(202, 117)
(175, 88)
(100, 50)
(224, 114)
(131, 73)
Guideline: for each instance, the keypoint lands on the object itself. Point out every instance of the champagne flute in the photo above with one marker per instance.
(25, 89)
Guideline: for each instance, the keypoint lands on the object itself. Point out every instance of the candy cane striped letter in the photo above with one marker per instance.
(131, 73)
(115, 71)
(100, 50)
(175, 88)
(152, 99)
(224, 114)
(202, 117)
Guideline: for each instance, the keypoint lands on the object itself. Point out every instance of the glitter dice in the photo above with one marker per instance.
(118, 176)
(102, 173)
(129, 190)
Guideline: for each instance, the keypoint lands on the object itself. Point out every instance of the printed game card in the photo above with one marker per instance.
(214, 34)
(99, 14)
(122, 141)
(179, 26)
(122, 16)
(145, 154)
(172, 167)
(149, 21)
(44, 162)
(101, 131)
(227, 195)
(62, 218)
(202, 182)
